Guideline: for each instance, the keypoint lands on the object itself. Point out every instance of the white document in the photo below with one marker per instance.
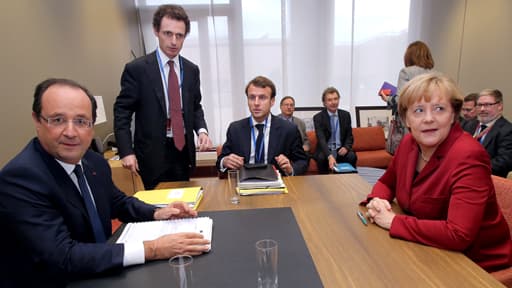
(144, 231)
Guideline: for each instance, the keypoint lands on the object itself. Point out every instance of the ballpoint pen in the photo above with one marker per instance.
(361, 216)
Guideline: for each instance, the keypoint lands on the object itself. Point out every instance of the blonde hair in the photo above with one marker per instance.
(423, 86)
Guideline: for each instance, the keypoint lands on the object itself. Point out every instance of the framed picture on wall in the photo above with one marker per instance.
(371, 116)
(306, 114)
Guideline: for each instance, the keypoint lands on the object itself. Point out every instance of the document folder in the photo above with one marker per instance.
(161, 197)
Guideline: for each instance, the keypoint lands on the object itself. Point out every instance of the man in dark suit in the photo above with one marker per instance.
(163, 145)
(493, 131)
(57, 200)
(333, 130)
(263, 137)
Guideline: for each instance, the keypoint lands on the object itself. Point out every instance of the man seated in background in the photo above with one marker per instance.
(57, 200)
(263, 137)
(493, 130)
(334, 132)
(469, 108)
(287, 106)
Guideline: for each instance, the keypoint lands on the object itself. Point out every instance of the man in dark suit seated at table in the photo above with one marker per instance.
(263, 137)
(493, 130)
(57, 200)
(333, 130)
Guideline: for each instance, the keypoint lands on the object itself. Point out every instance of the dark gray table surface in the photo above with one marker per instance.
(232, 260)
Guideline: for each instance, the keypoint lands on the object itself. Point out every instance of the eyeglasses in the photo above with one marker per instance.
(60, 122)
(486, 105)
(467, 109)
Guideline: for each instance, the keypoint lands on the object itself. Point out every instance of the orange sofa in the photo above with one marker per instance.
(369, 145)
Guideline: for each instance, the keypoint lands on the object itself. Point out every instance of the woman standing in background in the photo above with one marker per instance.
(417, 60)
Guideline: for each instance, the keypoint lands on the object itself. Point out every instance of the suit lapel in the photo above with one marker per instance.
(246, 139)
(491, 135)
(97, 190)
(63, 183)
(153, 72)
(273, 140)
(184, 84)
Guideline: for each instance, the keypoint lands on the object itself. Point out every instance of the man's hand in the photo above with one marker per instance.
(233, 161)
(383, 96)
(167, 246)
(130, 162)
(343, 151)
(284, 163)
(174, 210)
(332, 162)
(203, 141)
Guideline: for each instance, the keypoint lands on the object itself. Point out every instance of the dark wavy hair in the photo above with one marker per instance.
(262, 82)
(175, 12)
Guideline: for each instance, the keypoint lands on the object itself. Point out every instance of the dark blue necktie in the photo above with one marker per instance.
(259, 153)
(97, 228)
(481, 135)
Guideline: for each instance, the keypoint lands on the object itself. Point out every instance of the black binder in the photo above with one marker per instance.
(258, 172)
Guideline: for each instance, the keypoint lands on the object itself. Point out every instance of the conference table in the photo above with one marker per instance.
(345, 252)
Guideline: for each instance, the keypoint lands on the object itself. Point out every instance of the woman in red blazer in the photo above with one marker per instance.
(441, 179)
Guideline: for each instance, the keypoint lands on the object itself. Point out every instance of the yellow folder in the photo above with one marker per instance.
(262, 191)
(161, 197)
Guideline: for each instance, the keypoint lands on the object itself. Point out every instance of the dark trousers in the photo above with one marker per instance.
(323, 162)
(177, 167)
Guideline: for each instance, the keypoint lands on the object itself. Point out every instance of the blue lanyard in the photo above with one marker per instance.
(257, 154)
(162, 72)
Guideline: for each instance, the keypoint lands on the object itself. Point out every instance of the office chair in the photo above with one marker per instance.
(503, 188)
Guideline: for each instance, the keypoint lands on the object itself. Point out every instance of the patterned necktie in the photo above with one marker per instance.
(97, 228)
(178, 131)
(260, 146)
(481, 135)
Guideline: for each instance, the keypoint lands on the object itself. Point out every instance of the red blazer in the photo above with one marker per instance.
(451, 203)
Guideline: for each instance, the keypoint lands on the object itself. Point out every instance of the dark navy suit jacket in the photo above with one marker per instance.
(323, 131)
(47, 239)
(284, 138)
(498, 143)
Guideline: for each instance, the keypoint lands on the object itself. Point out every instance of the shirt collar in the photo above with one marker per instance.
(164, 57)
(491, 122)
(269, 119)
(68, 167)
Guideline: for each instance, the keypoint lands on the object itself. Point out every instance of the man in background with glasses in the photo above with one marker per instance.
(493, 130)
(287, 106)
(57, 200)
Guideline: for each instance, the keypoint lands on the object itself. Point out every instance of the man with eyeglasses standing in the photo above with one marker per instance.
(57, 200)
(162, 89)
(493, 130)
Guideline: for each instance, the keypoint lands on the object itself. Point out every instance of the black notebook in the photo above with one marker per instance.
(258, 172)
